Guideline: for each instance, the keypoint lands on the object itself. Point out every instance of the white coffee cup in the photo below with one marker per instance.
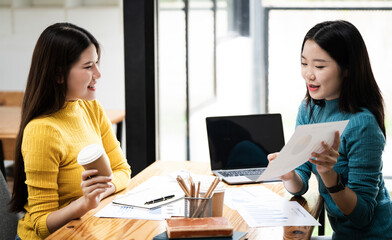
(94, 157)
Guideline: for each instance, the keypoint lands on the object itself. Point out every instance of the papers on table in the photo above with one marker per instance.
(305, 140)
(260, 207)
(281, 213)
(132, 204)
(154, 188)
(257, 205)
(161, 213)
(235, 197)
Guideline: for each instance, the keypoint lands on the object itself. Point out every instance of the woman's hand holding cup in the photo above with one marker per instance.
(96, 179)
(94, 187)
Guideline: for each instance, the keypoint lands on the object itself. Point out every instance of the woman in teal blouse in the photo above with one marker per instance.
(341, 86)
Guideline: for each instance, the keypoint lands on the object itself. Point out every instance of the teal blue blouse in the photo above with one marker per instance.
(360, 163)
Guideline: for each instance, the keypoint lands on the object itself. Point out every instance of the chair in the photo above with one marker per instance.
(8, 220)
(320, 214)
(306, 231)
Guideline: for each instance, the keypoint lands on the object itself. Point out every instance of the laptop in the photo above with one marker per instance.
(239, 145)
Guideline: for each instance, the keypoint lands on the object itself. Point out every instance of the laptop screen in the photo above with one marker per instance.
(237, 142)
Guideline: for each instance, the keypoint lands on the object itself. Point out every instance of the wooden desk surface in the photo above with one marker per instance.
(90, 227)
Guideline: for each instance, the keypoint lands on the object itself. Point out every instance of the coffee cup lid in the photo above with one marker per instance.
(90, 153)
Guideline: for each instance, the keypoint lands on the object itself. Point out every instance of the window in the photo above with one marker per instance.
(209, 45)
(218, 48)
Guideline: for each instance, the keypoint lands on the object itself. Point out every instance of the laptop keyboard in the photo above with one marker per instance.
(242, 172)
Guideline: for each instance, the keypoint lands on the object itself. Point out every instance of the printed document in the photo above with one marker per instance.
(161, 213)
(281, 213)
(235, 197)
(261, 207)
(305, 140)
(156, 187)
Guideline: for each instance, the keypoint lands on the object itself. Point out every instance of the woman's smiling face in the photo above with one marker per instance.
(83, 76)
(322, 74)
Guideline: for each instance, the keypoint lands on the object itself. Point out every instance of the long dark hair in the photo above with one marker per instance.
(359, 89)
(58, 48)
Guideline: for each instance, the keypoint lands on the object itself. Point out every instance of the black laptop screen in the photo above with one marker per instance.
(237, 142)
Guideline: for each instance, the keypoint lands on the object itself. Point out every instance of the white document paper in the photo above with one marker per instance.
(280, 213)
(235, 197)
(154, 188)
(305, 140)
(160, 213)
(261, 207)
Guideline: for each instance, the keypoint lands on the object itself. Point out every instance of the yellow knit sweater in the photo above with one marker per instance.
(50, 147)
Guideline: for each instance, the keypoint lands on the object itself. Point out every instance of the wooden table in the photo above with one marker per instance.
(9, 128)
(90, 227)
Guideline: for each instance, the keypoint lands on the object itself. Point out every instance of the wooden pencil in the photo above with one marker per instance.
(198, 189)
(210, 190)
(183, 186)
(212, 187)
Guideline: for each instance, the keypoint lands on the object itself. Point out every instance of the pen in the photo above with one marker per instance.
(159, 199)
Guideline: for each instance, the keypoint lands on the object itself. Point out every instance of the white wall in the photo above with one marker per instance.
(20, 27)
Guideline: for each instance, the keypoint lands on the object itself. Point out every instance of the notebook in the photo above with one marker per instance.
(239, 145)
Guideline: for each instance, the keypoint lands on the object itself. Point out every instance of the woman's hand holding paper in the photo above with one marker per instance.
(292, 182)
(285, 177)
(328, 158)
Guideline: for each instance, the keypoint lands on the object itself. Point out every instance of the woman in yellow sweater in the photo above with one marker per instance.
(60, 116)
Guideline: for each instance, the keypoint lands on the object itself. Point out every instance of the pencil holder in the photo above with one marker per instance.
(198, 207)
